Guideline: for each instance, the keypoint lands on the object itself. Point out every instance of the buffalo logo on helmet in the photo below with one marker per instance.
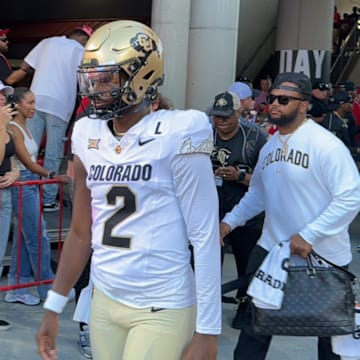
(143, 42)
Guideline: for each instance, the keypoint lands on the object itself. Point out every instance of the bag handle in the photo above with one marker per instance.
(316, 255)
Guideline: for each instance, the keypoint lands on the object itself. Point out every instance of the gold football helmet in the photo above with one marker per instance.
(122, 65)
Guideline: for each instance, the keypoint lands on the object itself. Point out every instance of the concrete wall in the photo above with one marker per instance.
(256, 39)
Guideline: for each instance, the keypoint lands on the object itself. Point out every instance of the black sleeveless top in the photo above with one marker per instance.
(5, 166)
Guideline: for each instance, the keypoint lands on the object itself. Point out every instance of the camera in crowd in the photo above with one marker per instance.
(11, 99)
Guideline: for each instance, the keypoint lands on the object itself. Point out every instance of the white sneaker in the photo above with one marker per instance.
(4, 325)
(26, 299)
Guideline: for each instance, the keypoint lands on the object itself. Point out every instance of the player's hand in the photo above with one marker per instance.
(299, 246)
(46, 336)
(201, 347)
(225, 229)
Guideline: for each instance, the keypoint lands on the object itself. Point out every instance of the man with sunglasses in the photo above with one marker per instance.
(319, 100)
(308, 185)
(5, 66)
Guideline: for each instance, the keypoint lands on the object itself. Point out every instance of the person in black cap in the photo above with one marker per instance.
(349, 88)
(236, 150)
(319, 98)
(337, 120)
(309, 187)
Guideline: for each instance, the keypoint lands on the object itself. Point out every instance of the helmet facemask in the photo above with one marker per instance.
(105, 87)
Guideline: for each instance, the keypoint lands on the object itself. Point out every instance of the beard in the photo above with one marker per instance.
(284, 120)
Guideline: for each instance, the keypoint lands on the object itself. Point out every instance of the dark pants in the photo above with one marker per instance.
(242, 240)
(82, 282)
(255, 347)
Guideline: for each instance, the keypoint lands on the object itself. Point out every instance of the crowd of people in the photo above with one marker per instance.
(342, 26)
(337, 108)
(150, 228)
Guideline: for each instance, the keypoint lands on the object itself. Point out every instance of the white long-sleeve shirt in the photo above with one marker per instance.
(314, 190)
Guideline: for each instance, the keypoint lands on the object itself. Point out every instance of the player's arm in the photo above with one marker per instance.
(197, 196)
(74, 256)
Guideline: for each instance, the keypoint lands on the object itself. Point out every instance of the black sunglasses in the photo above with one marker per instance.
(4, 39)
(323, 86)
(283, 99)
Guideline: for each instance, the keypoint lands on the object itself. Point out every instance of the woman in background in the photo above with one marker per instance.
(26, 153)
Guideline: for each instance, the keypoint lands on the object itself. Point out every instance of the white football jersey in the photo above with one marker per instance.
(146, 209)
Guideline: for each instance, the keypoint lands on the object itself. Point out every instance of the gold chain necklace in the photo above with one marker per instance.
(285, 145)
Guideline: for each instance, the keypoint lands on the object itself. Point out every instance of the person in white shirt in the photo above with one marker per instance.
(308, 185)
(53, 62)
(144, 191)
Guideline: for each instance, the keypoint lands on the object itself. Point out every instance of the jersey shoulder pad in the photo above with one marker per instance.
(195, 132)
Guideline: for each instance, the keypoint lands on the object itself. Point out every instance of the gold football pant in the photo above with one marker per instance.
(119, 332)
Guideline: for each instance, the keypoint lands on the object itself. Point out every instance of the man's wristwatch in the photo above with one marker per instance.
(51, 174)
(242, 173)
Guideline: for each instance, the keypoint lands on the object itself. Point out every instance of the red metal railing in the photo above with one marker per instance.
(20, 185)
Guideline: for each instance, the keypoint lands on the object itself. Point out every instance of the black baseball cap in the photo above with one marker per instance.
(225, 104)
(321, 85)
(301, 80)
(341, 97)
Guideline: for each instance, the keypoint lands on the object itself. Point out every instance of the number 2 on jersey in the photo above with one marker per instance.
(128, 208)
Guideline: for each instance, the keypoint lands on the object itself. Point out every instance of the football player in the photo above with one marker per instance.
(144, 190)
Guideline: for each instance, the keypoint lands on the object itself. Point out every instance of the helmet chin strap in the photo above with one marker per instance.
(130, 109)
(109, 113)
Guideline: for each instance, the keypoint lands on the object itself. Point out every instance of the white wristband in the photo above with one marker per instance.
(55, 302)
